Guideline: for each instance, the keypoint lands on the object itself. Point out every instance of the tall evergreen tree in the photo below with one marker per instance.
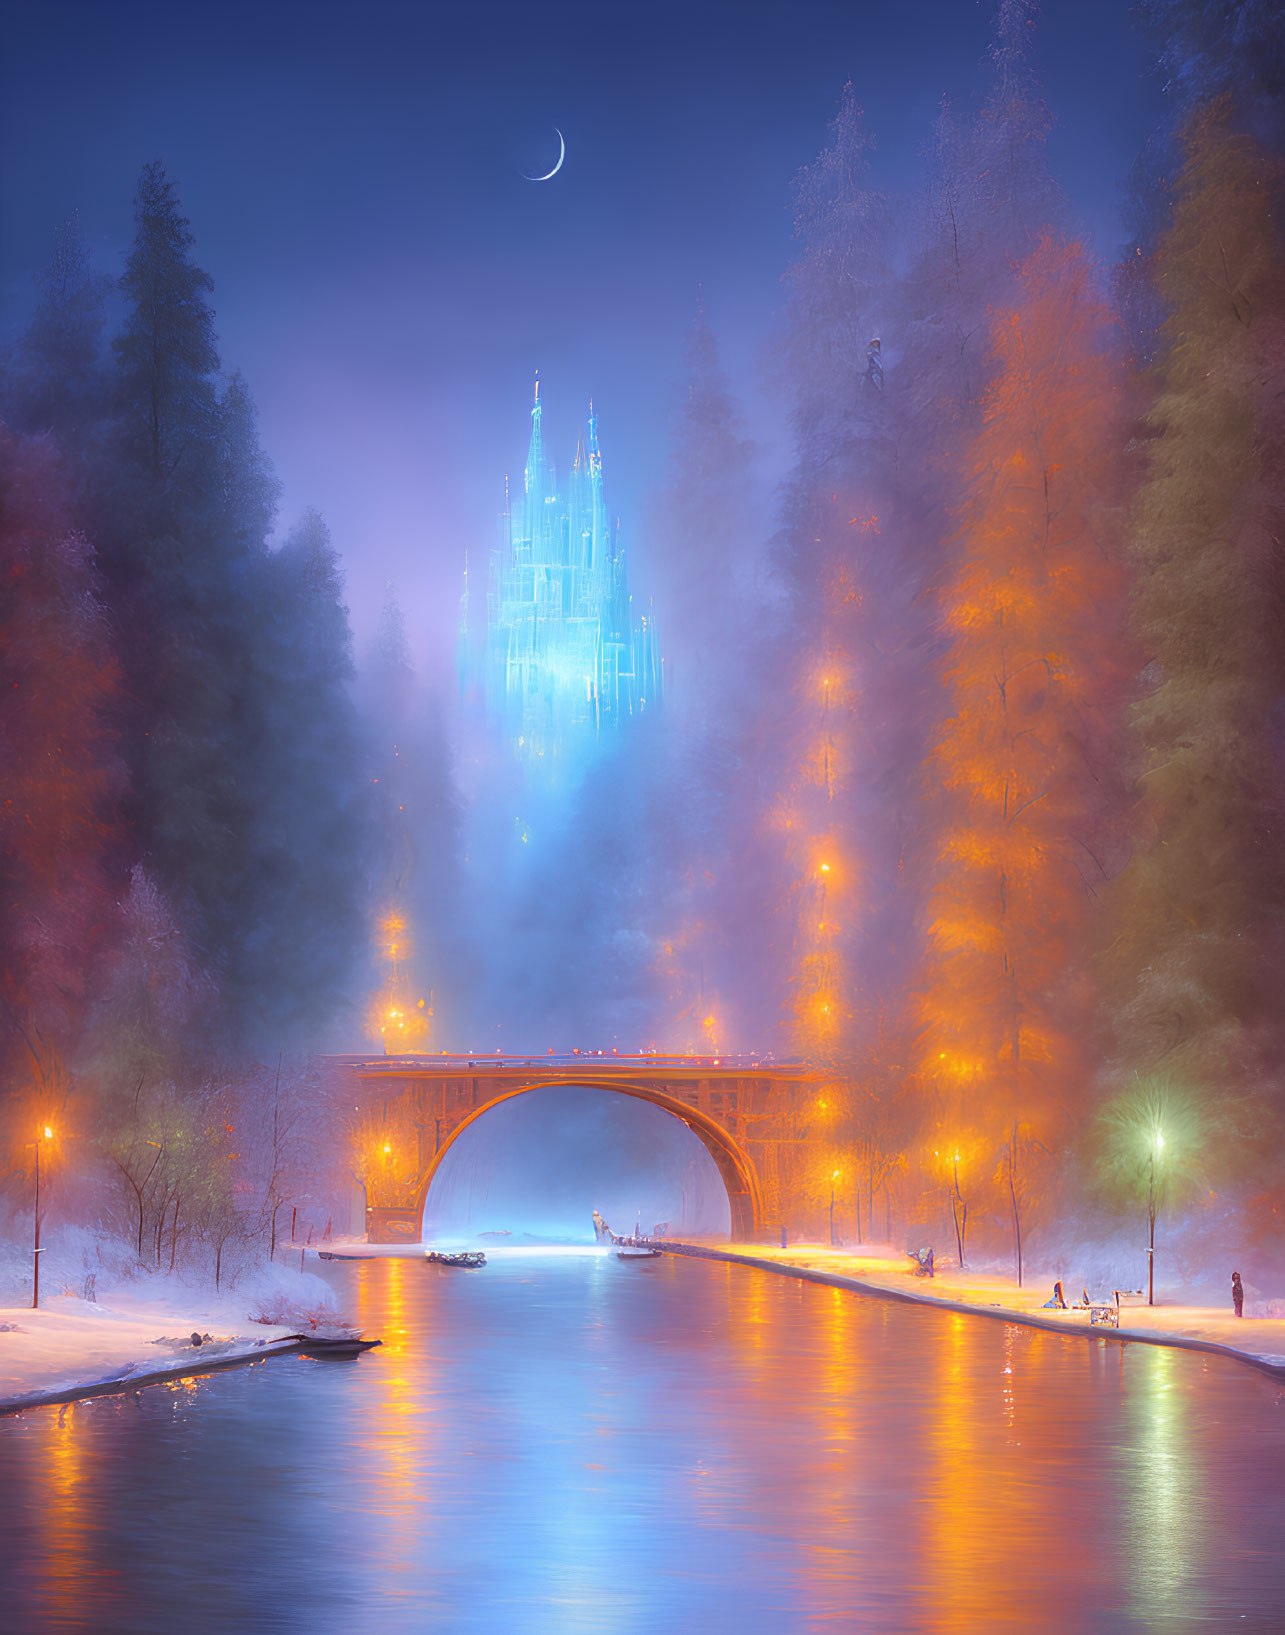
(838, 553)
(990, 197)
(59, 382)
(167, 352)
(200, 609)
(708, 558)
(248, 489)
(1209, 49)
(293, 910)
(1197, 956)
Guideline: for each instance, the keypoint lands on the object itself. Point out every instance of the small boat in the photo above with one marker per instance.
(636, 1251)
(333, 1346)
(471, 1258)
(357, 1254)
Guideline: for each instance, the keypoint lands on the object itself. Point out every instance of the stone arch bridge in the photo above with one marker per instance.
(754, 1118)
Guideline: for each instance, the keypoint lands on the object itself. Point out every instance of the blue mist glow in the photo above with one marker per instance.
(537, 1166)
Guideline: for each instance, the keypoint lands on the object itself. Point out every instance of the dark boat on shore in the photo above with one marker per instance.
(469, 1258)
(332, 1346)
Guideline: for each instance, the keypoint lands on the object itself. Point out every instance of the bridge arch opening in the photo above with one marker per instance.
(534, 1163)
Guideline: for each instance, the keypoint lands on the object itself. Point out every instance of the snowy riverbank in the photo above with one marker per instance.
(880, 1269)
(140, 1328)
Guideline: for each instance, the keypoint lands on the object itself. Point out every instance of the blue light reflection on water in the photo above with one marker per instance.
(572, 1443)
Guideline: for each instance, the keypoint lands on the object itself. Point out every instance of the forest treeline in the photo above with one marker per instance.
(195, 832)
(978, 808)
(1006, 815)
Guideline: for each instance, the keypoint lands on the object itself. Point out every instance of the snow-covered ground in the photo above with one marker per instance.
(1259, 1335)
(138, 1323)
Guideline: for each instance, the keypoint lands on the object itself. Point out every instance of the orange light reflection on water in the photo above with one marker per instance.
(391, 1419)
(64, 1535)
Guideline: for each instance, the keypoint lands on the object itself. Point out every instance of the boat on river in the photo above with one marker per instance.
(468, 1258)
(391, 1251)
(636, 1251)
(335, 1346)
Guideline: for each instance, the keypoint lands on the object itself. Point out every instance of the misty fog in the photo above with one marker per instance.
(538, 1165)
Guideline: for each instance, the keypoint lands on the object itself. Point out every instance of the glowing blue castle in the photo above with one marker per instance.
(566, 659)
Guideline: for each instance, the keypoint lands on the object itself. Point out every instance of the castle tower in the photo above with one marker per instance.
(566, 658)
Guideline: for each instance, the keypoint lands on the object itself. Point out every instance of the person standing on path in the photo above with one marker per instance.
(1237, 1294)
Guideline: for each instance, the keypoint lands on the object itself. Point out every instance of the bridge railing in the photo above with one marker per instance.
(650, 1061)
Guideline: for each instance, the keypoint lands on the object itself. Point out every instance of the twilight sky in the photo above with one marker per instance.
(389, 283)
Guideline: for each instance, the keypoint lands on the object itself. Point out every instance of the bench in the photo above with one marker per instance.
(1096, 1311)
(1109, 1316)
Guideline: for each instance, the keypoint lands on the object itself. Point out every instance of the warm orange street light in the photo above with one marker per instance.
(833, 1179)
(35, 1248)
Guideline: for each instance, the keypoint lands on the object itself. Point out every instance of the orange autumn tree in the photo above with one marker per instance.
(1031, 617)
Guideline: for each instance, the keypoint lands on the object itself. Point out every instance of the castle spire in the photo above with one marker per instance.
(567, 660)
(535, 454)
(595, 455)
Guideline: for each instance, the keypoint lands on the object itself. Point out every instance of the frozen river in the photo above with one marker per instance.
(554, 1445)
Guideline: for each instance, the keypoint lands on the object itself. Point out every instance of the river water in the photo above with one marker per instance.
(566, 1444)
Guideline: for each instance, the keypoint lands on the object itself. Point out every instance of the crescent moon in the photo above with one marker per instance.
(561, 156)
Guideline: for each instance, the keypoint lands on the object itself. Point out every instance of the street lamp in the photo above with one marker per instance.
(1157, 1151)
(35, 1248)
(833, 1179)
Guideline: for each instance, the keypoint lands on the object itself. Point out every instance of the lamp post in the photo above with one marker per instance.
(35, 1248)
(385, 1185)
(958, 1205)
(833, 1179)
(1156, 1151)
